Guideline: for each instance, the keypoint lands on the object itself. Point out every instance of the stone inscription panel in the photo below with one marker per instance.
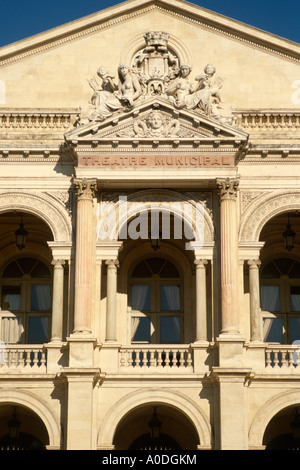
(157, 161)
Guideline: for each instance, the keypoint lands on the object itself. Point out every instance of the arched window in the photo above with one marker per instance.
(280, 300)
(156, 304)
(25, 302)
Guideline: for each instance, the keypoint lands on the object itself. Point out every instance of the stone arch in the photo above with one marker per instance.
(162, 200)
(144, 397)
(50, 209)
(267, 411)
(39, 407)
(264, 208)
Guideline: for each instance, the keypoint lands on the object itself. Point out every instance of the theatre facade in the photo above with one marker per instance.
(150, 234)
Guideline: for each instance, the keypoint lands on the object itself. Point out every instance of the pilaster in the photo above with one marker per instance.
(85, 238)
(232, 426)
(201, 310)
(255, 321)
(229, 254)
(81, 434)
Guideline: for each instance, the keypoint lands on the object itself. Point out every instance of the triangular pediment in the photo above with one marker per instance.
(156, 122)
(52, 69)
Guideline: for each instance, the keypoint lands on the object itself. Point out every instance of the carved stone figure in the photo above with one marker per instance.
(185, 94)
(155, 125)
(110, 97)
(154, 71)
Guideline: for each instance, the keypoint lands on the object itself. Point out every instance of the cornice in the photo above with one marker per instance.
(187, 12)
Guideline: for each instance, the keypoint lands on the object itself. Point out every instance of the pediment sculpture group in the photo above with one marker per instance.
(155, 72)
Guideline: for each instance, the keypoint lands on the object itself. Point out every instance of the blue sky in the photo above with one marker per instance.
(24, 18)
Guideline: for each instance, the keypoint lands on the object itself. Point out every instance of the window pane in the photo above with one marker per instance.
(295, 271)
(269, 298)
(26, 264)
(169, 329)
(140, 329)
(40, 298)
(170, 298)
(40, 270)
(295, 299)
(141, 270)
(11, 296)
(140, 297)
(273, 332)
(169, 270)
(12, 270)
(294, 329)
(38, 329)
(270, 271)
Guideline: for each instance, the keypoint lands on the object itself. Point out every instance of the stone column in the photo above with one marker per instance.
(85, 238)
(255, 329)
(201, 313)
(229, 254)
(111, 300)
(57, 300)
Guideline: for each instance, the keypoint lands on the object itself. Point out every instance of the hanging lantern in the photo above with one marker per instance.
(14, 425)
(21, 236)
(289, 237)
(155, 425)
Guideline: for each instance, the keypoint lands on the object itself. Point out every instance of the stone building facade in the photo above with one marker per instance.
(151, 154)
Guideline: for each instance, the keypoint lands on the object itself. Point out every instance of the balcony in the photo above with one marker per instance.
(150, 359)
(156, 358)
(23, 358)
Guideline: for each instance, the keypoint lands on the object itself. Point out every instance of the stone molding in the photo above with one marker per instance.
(50, 210)
(38, 406)
(264, 208)
(161, 199)
(138, 398)
(102, 21)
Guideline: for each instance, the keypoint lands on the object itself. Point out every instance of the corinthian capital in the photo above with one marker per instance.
(85, 188)
(228, 188)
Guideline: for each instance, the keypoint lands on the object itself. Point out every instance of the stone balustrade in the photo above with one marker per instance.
(174, 359)
(25, 358)
(268, 120)
(177, 358)
(282, 358)
(43, 120)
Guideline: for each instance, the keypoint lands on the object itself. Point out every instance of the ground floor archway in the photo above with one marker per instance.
(21, 429)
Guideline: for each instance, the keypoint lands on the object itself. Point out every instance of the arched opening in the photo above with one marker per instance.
(156, 302)
(155, 427)
(25, 280)
(157, 278)
(280, 280)
(21, 429)
(283, 431)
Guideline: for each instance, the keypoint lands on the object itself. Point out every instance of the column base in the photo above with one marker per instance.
(81, 350)
(231, 349)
